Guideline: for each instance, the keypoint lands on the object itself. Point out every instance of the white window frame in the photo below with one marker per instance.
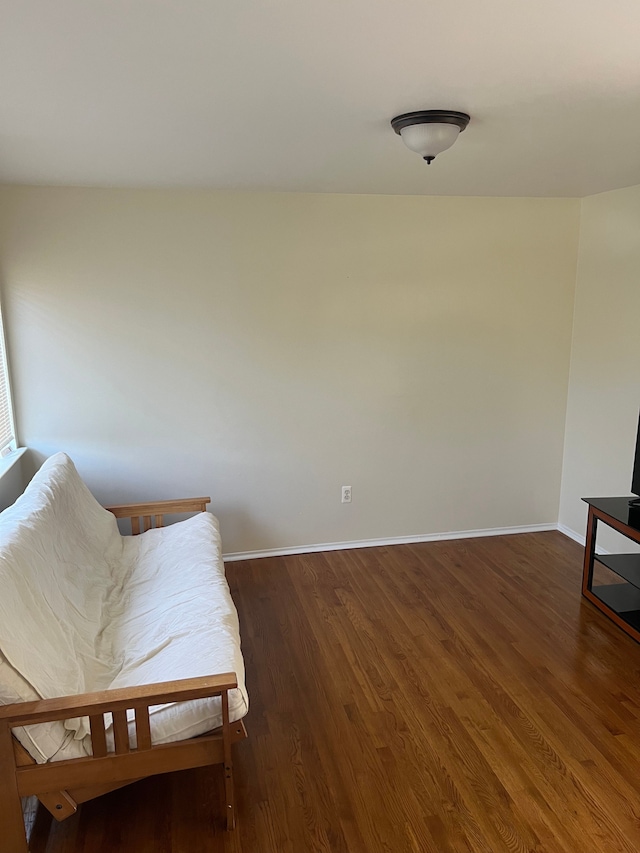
(12, 445)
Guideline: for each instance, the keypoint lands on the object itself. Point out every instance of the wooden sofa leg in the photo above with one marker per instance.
(229, 795)
(228, 766)
(13, 838)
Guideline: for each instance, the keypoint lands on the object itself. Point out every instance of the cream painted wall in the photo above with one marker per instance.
(15, 473)
(268, 348)
(604, 391)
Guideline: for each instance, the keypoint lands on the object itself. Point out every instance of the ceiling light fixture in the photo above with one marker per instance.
(428, 132)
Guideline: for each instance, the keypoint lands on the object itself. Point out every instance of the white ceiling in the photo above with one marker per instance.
(296, 95)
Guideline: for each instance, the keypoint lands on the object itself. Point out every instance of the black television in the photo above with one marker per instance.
(635, 479)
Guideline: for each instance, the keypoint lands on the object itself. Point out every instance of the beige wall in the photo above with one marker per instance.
(604, 393)
(269, 348)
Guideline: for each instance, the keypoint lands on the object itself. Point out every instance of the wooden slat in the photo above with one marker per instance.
(60, 805)
(85, 772)
(159, 520)
(121, 731)
(162, 507)
(105, 701)
(135, 525)
(146, 523)
(98, 735)
(143, 727)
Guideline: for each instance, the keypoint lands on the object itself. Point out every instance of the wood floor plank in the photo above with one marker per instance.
(446, 697)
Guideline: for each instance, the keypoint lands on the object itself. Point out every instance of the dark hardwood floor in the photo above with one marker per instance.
(453, 696)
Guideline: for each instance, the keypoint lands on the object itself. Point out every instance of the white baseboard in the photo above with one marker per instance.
(396, 540)
(577, 537)
(580, 538)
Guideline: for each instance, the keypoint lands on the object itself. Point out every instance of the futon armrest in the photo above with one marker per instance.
(159, 507)
(121, 699)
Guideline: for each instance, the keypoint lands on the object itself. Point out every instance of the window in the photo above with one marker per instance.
(7, 427)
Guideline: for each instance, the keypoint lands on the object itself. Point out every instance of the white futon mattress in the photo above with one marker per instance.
(83, 608)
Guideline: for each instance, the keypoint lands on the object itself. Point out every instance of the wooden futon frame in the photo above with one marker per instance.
(62, 785)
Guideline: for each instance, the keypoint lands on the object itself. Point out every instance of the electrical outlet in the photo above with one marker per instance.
(346, 494)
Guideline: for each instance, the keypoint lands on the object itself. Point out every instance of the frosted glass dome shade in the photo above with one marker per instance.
(429, 139)
(428, 132)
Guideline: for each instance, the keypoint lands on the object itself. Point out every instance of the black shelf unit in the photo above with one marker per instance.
(619, 601)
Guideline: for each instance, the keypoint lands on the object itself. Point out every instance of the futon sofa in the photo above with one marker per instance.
(119, 655)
